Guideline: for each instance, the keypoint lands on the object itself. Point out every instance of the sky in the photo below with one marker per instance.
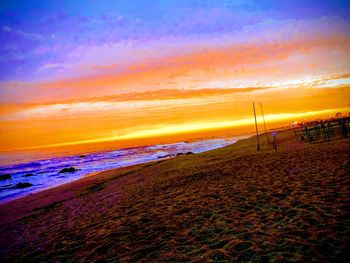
(78, 72)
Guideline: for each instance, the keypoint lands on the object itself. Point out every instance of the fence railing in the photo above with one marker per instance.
(323, 130)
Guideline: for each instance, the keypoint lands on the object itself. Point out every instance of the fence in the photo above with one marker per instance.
(323, 130)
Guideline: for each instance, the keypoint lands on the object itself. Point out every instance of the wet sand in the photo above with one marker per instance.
(229, 204)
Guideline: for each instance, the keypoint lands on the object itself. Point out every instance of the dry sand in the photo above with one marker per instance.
(229, 204)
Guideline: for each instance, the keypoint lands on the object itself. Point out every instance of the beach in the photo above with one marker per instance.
(224, 205)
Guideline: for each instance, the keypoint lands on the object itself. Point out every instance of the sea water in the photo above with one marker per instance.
(46, 172)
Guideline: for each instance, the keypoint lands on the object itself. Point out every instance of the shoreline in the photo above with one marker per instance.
(48, 153)
(67, 190)
(55, 194)
(100, 162)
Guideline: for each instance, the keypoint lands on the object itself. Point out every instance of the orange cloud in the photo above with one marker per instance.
(236, 59)
(233, 66)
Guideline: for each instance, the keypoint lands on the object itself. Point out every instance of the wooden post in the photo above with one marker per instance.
(256, 127)
(274, 141)
(266, 137)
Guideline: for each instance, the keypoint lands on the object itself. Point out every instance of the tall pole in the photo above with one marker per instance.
(262, 112)
(256, 127)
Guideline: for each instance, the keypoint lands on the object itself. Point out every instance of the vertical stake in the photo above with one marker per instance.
(256, 127)
(274, 141)
(266, 137)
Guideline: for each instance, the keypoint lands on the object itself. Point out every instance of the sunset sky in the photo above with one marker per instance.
(76, 72)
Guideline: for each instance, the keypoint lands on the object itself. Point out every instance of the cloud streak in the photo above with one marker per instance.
(20, 33)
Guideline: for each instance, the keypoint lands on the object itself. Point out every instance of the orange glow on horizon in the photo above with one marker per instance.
(200, 90)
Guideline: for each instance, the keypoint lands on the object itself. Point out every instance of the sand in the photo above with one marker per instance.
(229, 204)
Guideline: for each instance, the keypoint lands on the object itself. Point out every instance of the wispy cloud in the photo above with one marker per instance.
(18, 32)
(52, 66)
(132, 53)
